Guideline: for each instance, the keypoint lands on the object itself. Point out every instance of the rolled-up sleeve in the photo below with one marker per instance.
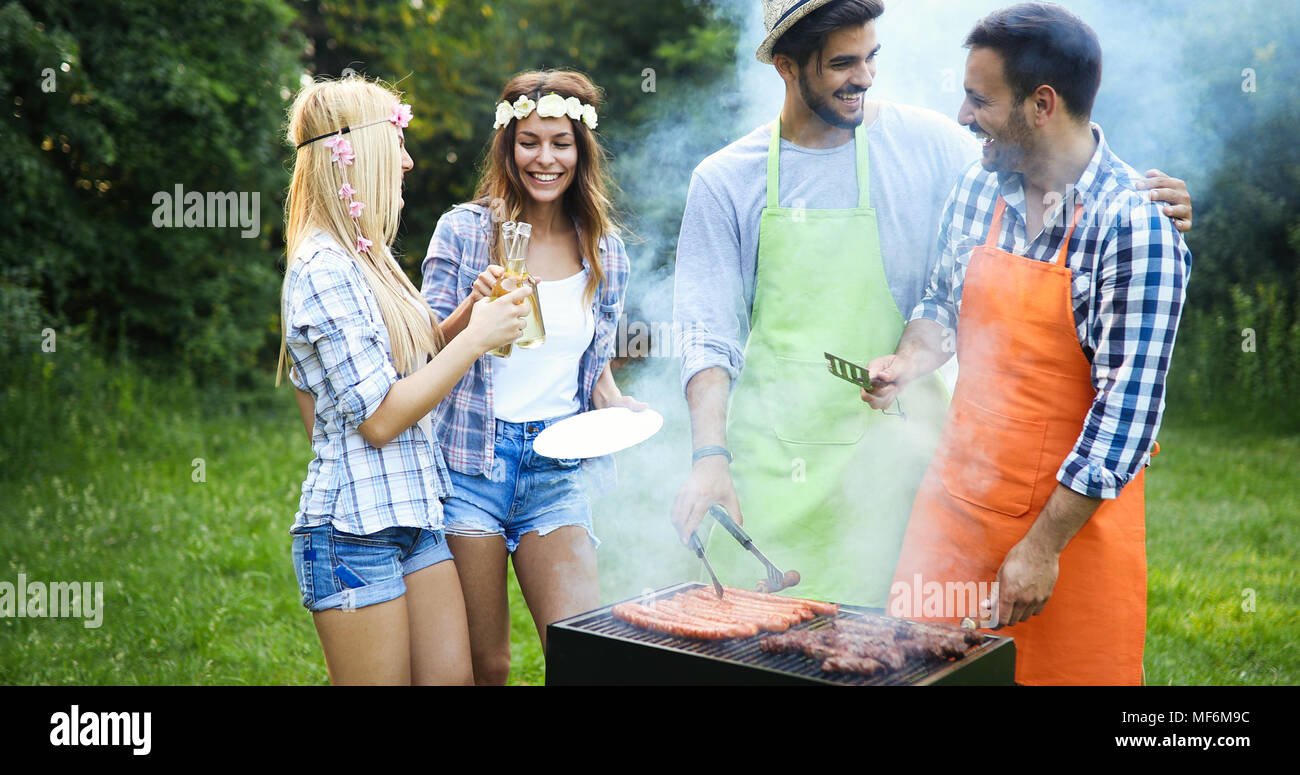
(327, 317)
(441, 268)
(1139, 298)
(706, 283)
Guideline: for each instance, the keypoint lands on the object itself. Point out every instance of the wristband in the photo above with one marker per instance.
(709, 451)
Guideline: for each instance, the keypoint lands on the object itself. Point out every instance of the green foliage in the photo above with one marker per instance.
(154, 95)
(1246, 239)
(453, 58)
(147, 96)
(1238, 360)
(1239, 342)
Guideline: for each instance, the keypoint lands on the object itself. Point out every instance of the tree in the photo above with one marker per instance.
(116, 104)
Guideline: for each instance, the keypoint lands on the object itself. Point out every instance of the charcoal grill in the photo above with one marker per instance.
(597, 649)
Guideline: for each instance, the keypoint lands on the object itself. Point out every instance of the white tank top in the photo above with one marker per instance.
(542, 383)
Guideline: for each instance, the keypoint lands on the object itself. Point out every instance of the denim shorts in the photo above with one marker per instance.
(524, 492)
(342, 570)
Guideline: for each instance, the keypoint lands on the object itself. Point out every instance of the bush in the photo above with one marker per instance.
(107, 115)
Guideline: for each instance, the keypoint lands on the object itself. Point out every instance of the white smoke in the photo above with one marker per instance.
(1149, 96)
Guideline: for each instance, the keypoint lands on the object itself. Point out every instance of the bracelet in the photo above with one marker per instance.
(709, 451)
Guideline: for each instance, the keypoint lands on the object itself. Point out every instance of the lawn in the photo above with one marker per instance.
(1223, 535)
(198, 587)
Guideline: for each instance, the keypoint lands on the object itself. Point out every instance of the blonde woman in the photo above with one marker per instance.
(545, 166)
(370, 363)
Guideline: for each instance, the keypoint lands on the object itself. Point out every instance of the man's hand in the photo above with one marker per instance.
(1028, 572)
(708, 485)
(1173, 192)
(886, 375)
(1025, 581)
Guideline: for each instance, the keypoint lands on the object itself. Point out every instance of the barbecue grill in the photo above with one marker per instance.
(597, 649)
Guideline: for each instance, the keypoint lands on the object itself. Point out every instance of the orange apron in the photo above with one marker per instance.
(1023, 392)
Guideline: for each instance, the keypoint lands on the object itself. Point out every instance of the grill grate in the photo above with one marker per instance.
(745, 652)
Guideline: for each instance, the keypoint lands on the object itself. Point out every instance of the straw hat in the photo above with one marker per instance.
(779, 16)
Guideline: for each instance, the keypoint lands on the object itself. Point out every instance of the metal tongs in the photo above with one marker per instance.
(699, 552)
(776, 578)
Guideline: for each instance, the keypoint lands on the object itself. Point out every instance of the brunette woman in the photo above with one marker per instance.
(545, 166)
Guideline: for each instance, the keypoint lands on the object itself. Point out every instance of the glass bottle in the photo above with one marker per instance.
(507, 282)
(535, 329)
(514, 240)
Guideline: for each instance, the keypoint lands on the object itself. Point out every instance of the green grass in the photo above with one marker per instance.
(1222, 528)
(97, 485)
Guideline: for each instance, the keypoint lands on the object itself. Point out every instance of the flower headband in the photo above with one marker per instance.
(341, 153)
(550, 106)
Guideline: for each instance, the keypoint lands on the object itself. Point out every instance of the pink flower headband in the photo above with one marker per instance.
(343, 155)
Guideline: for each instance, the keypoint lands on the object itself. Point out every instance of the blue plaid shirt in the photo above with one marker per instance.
(339, 345)
(1130, 269)
(458, 253)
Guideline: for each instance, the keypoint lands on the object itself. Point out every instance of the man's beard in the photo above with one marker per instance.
(1014, 144)
(822, 105)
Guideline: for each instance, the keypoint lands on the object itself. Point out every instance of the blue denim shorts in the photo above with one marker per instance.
(524, 492)
(342, 570)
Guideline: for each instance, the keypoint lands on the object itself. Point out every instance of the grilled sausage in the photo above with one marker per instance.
(672, 622)
(788, 614)
(650, 619)
(816, 606)
(741, 627)
(725, 611)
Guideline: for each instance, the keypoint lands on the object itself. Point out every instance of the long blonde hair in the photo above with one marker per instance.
(588, 199)
(376, 176)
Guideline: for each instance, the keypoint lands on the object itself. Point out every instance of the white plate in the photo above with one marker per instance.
(599, 432)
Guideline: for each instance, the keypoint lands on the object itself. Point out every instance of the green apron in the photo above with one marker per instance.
(825, 483)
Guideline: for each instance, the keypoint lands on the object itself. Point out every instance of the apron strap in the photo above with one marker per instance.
(864, 167)
(995, 228)
(774, 166)
(1065, 246)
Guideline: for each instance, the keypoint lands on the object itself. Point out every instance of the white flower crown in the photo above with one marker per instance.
(550, 106)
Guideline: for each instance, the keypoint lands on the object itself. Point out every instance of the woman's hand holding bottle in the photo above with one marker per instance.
(494, 323)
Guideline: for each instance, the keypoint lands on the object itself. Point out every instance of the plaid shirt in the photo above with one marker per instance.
(1130, 270)
(458, 253)
(341, 355)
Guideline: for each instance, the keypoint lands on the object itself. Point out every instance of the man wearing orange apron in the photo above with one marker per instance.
(1034, 499)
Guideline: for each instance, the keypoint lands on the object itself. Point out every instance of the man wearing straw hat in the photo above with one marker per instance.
(815, 234)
